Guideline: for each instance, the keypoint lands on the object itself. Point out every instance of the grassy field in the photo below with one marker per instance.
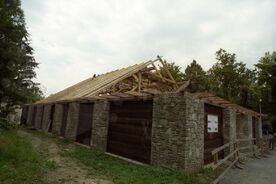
(122, 172)
(19, 162)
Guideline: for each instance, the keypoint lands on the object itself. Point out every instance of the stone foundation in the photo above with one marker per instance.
(229, 126)
(100, 125)
(72, 121)
(177, 132)
(57, 119)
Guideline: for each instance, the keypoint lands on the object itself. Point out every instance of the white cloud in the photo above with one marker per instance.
(75, 39)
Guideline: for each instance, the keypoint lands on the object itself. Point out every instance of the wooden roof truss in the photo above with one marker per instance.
(140, 80)
(215, 100)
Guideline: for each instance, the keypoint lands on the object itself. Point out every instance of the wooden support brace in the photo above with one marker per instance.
(157, 71)
(167, 70)
(139, 81)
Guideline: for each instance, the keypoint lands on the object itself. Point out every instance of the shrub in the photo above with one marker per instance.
(5, 125)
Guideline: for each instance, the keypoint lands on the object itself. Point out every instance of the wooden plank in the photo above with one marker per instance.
(121, 95)
(246, 139)
(220, 148)
(157, 71)
(129, 133)
(134, 93)
(225, 171)
(161, 78)
(220, 162)
(183, 87)
(109, 96)
(151, 91)
(167, 70)
(139, 82)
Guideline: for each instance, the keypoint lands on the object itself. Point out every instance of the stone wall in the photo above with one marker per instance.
(244, 126)
(259, 131)
(100, 125)
(194, 144)
(244, 130)
(57, 119)
(229, 126)
(177, 132)
(30, 115)
(46, 117)
(72, 121)
(38, 116)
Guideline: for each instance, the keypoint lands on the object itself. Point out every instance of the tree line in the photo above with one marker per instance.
(17, 62)
(234, 81)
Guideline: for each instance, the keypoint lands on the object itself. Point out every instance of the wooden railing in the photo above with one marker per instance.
(233, 156)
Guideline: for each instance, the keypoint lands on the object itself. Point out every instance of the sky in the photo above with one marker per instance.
(74, 39)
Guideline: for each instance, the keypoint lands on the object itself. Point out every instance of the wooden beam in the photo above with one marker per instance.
(157, 71)
(183, 87)
(147, 69)
(133, 93)
(167, 70)
(151, 91)
(109, 96)
(121, 95)
(139, 81)
(160, 78)
(135, 77)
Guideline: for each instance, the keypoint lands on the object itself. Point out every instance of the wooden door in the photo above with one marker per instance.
(24, 115)
(84, 132)
(64, 119)
(34, 115)
(254, 128)
(51, 118)
(212, 139)
(42, 114)
(129, 131)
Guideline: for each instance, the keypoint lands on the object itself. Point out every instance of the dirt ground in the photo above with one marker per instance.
(68, 170)
(257, 171)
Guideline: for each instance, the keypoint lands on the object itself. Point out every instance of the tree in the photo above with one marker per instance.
(196, 75)
(175, 70)
(16, 57)
(266, 80)
(230, 79)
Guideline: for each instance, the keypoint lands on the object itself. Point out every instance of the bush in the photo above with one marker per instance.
(5, 125)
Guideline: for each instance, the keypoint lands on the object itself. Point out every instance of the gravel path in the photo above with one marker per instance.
(68, 171)
(257, 171)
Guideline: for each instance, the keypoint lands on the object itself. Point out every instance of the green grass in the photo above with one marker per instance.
(19, 162)
(122, 172)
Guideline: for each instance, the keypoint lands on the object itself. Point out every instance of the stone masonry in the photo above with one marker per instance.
(244, 130)
(177, 132)
(229, 125)
(244, 126)
(57, 119)
(72, 121)
(259, 132)
(46, 117)
(194, 144)
(100, 125)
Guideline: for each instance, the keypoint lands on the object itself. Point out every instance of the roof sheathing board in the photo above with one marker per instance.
(215, 100)
(91, 87)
